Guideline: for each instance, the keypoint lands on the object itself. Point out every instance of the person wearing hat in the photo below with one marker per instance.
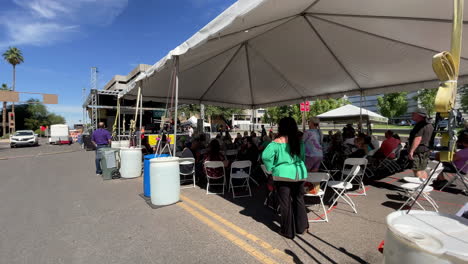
(419, 139)
(313, 145)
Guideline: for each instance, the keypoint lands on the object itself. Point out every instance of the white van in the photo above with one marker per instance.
(60, 134)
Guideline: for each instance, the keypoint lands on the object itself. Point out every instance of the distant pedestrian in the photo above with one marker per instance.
(101, 138)
(190, 131)
(264, 133)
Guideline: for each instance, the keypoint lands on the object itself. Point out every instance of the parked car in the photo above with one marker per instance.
(24, 138)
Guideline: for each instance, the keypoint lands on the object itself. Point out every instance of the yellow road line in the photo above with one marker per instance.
(263, 244)
(231, 237)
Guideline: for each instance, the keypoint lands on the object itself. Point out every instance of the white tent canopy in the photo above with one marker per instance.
(261, 53)
(351, 113)
(192, 121)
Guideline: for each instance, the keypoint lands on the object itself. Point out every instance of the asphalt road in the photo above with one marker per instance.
(54, 209)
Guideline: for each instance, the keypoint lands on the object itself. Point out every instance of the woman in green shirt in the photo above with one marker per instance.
(284, 157)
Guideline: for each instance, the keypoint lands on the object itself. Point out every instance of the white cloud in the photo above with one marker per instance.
(43, 22)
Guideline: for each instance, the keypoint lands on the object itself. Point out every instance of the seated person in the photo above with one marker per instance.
(459, 160)
(214, 154)
(238, 140)
(255, 139)
(249, 151)
(361, 150)
(265, 143)
(190, 151)
(388, 145)
(228, 144)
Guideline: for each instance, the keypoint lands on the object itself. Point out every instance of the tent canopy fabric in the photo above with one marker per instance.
(261, 53)
(192, 121)
(351, 113)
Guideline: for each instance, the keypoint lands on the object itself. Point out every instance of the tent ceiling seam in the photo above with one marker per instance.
(332, 53)
(424, 19)
(247, 59)
(210, 58)
(240, 43)
(221, 72)
(288, 18)
(276, 70)
(310, 6)
(378, 36)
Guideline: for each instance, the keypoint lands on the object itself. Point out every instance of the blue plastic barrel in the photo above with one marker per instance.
(146, 174)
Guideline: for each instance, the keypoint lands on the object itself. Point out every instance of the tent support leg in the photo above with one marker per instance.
(176, 83)
(141, 120)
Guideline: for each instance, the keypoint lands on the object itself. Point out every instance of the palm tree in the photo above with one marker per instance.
(13, 56)
(4, 87)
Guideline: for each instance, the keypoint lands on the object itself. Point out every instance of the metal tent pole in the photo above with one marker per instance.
(176, 83)
(141, 119)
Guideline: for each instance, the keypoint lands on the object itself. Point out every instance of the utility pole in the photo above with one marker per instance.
(94, 98)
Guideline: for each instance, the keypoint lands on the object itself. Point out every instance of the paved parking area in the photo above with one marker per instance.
(54, 209)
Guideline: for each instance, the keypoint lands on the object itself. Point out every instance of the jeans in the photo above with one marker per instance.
(98, 158)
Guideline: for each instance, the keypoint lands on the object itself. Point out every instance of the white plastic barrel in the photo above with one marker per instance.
(115, 144)
(125, 143)
(130, 162)
(164, 180)
(426, 237)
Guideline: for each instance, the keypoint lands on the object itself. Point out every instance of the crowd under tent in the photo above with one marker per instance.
(261, 53)
(351, 114)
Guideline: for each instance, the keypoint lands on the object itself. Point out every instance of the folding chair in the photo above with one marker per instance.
(412, 190)
(433, 170)
(270, 188)
(340, 188)
(415, 185)
(231, 154)
(390, 163)
(244, 168)
(322, 178)
(186, 162)
(349, 163)
(214, 165)
(331, 172)
(459, 175)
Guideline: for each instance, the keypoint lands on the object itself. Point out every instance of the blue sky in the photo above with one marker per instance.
(62, 39)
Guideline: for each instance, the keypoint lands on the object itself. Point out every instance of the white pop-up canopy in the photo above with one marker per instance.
(261, 53)
(192, 121)
(351, 113)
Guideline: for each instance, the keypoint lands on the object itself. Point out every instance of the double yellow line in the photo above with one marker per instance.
(238, 241)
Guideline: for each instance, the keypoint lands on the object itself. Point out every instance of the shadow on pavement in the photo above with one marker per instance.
(341, 249)
(392, 204)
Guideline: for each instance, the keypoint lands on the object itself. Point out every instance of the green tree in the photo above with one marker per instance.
(464, 97)
(426, 97)
(53, 119)
(37, 114)
(392, 105)
(4, 87)
(274, 114)
(324, 105)
(210, 111)
(13, 56)
(34, 114)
